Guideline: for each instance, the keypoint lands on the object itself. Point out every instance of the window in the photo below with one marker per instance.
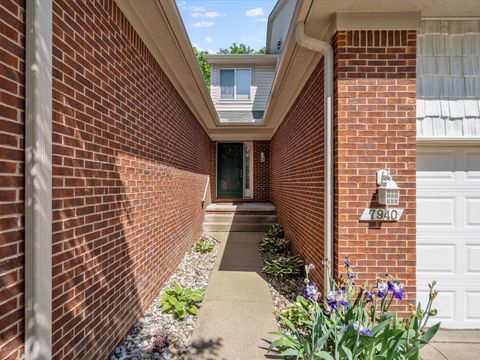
(235, 84)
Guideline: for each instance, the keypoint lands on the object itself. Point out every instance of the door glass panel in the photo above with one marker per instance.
(243, 84)
(230, 168)
(247, 167)
(227, 83)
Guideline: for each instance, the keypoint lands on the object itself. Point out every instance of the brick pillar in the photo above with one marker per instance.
(375, 129)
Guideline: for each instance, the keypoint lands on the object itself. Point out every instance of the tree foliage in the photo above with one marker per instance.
(202, 63)
(241, 49)
(232, 49)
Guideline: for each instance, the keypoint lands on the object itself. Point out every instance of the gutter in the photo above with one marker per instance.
(326, 50)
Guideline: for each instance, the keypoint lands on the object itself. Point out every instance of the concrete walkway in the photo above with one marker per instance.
(453, 345)
(237, 312)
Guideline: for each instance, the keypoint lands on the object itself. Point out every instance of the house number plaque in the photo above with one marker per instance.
(381, 214)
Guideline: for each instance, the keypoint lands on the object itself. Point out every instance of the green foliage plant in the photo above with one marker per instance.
(274, 245)
(283, 267)
(181, 301)
(354, 322)
(203, 246)
(275, 231)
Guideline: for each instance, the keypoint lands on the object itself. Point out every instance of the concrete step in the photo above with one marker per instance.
(236, 227)
(239, 218)
(247, 207)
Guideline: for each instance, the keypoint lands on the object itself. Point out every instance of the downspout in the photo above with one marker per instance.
(326, 50)
(38, 180)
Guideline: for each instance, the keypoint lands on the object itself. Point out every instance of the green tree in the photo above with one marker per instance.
(241, 49)
(202, 63)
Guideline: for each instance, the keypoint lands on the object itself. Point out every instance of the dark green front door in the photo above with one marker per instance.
(230, 168)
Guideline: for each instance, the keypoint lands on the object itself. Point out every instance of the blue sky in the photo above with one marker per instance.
(213, 24)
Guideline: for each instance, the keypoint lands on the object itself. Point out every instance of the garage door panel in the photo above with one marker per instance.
(472, 165)
(472, 306)
(445, 305)
(473, 260)
(435, 211)
(443, 261)
(435, 165)
(448, 232)
(472, 217)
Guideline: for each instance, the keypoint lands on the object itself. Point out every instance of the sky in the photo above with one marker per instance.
(215, 24)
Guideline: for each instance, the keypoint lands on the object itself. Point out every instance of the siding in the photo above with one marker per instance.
(262, 80)
(448, 78)
(280, 26)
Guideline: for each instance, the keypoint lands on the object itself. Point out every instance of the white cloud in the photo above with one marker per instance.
(213, 14)
(254, 12)
(198, 11)
(208, 39)
(203, 24)
(195, 45)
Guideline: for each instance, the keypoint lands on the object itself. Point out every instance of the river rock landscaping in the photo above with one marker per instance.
(159, 335)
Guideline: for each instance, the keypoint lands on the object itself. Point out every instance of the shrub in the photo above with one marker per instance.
(275, 231)
(283, 266)
(181, 301)
(354, 322)
(204, 246)
(274, 245)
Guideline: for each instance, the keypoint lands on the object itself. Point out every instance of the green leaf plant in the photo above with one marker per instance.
(283, 267)
(353, 322)
(181, 301)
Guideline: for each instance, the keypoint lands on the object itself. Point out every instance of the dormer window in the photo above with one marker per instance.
(235, 84)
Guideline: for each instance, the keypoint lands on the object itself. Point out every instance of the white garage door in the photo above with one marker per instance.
(448, 232)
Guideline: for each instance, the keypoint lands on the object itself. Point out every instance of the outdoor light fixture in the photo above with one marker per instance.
(262, 157)
(388, 190)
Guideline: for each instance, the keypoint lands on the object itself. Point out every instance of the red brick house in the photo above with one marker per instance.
(111, 142)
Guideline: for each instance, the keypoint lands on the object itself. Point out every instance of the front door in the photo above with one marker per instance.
(230, 166)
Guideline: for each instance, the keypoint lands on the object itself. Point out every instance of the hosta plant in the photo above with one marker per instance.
(274, 245)
(181, 301)
(204, 246)
(355, 322)
(283, 267)
(276, 230)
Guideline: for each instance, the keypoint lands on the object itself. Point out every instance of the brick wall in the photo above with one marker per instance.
(297, 170)
(130, 169)
(12, 80)
(375, 128)
(261, 175)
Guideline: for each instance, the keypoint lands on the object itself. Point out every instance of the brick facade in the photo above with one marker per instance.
(130, 169)
(261, 175)
(375, 129)
(297, 172)
(12, 89)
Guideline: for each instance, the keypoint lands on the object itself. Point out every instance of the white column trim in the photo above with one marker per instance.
(38, 180)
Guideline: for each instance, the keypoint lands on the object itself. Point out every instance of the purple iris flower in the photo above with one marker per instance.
(369, 296)
(358, 327)
(310, 291)
(311, 267)
(346, 262)
(343, 302)
(351, 275)
(382, 289)
(397, 289)
(332, 299)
